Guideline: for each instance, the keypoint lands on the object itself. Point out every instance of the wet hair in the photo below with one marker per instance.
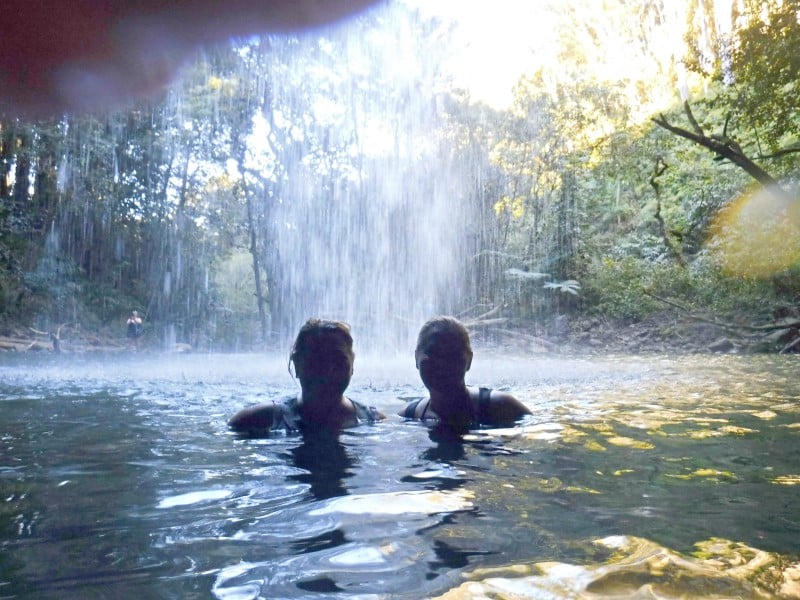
(446, 334)
(308, 337)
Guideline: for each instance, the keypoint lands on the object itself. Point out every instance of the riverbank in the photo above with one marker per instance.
(17, 338)
(675, 333)
(662, 333)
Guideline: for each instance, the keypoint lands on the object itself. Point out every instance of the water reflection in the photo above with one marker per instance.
(325, 464)
(111, 484)
(629, 567)
(448, 556)
(449, 444)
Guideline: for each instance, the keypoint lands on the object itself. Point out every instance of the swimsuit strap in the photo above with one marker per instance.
(289, 415)
(484, 396)
(363, 412)
(411, 408)
(424, 410)
(484, 399)
(357, 409)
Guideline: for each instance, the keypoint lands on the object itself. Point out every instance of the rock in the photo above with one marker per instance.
(721, 345)
(781, 336)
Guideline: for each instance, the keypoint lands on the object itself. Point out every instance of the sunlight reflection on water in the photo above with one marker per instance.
(634, 474)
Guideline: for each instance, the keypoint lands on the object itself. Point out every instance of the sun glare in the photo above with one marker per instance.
(758, 234)
(494, 43)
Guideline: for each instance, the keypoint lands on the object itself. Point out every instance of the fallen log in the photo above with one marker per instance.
(783, 324)
(526, 337)
(790, 345)
(484, 323)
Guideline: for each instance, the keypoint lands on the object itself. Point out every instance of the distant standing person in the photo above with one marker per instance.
(443, 357)
(134, 331)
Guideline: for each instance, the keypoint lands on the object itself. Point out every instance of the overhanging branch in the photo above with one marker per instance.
(721, 146)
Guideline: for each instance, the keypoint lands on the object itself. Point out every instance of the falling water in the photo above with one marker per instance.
(373, 228)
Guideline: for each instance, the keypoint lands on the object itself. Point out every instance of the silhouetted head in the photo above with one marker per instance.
(323, 355)
(444, 352)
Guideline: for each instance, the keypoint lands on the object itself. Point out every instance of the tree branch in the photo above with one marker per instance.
(725, 147)
(658, 170)
(726, 326)
(695, 125)
(790, 345)
(782, 152)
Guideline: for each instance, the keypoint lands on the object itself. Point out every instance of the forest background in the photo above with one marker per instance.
(650, 208)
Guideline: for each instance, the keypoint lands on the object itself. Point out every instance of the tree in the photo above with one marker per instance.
(758, 69)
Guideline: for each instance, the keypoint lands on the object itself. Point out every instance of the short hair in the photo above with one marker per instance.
(445, 332)
(313, 329)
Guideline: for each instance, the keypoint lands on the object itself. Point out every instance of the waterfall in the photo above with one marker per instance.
(371, 218)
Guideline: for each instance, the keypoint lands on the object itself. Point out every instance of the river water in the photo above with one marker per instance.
(652, 475)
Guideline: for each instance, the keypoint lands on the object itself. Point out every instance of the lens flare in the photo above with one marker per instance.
(758, 234)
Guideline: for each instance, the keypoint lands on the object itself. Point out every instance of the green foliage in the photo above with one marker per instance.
(55, 287)
(630, 289)
(236, 313)
(149, 206)
(583, 180)
(59, 293)
(758, 65)
(570, 286)
(754, 299)
(616, 287)
(766, 69)
(12, 287)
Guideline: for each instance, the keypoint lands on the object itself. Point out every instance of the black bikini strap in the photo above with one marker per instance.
(484, 397)
(411, 408)
(282, 409)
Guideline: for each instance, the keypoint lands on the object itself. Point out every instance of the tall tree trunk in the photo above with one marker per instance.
(253, 231)
(658, 170)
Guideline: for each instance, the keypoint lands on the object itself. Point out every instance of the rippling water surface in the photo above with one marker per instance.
(663, 476)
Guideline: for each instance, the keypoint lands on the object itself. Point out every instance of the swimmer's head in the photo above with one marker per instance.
(323, 353)
(444, 352)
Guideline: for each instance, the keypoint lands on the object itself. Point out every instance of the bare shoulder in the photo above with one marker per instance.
(419, 407)
(506, 398)
(504, 406)
(258, 416)
(374, 413)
